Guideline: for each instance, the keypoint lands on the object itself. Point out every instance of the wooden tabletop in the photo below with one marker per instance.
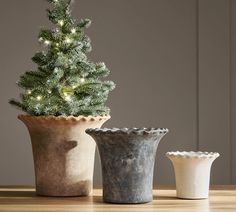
(23, 199)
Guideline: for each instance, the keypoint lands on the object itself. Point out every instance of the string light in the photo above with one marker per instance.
(49, 91)
(82, 80)
(57, 44)
(47, 42)
(73, 31)
(39, 98)
(68, 40)
(29, 92)
(67, 97)
(61, 22)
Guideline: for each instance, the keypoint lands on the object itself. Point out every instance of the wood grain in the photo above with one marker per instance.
(222, 198)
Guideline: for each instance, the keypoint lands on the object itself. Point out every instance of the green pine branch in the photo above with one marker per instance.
(65, 82)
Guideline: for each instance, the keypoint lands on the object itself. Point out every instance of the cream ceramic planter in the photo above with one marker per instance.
(63, 153)
(192, 173)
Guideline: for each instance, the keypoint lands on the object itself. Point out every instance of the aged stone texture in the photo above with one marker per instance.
(63, 153)
(128, 157)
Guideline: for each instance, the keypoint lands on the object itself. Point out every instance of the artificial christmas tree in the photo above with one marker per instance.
(62, 98)
(66, 82)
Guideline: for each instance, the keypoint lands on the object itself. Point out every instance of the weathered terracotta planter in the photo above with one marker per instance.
(192, 173)
(127, 157)
(63, 153)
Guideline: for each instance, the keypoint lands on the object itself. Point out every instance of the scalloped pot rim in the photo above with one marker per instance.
(63, 118)
(160, 131)
(192, 155)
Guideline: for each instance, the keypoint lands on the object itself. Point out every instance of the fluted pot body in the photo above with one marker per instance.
(192, 173)
(127, 157)
(63, 153)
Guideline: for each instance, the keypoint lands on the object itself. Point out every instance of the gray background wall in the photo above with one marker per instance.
(174, 62)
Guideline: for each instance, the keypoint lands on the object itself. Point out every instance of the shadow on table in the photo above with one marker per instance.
(15, 194)
(30, 197)
(99, 199)
(158, 197)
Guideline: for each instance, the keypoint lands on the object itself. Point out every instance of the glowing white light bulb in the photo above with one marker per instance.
(57, 44)
(61, 22)
(68, 40)
(29, 92)
(47, 42)
(68, 98)
(73, 31)
(39, 98)
(49, 91)
(82, 80)
(74, 86)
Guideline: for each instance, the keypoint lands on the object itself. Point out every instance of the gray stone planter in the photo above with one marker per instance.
(127, 157)
(63, 153)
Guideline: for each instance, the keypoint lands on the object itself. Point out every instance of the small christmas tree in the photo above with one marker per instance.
(66, 82)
